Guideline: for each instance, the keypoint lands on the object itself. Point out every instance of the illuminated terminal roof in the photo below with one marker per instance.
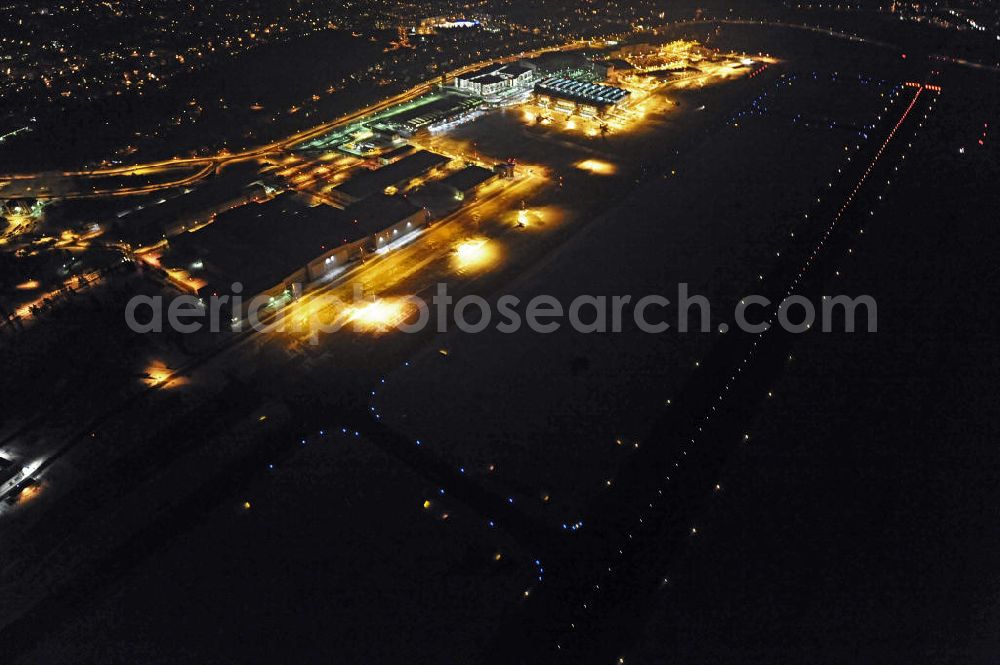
(428, 110)
(594, 94)
(486, 70)
(497, 77)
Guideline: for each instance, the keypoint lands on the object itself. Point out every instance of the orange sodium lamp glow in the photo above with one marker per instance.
(473, 252)
(29, 492)
(378, 315)
(159, 375)
(596, 166)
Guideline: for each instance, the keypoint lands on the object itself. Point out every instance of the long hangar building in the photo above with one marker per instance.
(274, 248)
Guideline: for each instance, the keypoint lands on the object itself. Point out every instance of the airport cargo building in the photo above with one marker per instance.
(469, 180)
(154, 222)
(364, 182)
(275, 248)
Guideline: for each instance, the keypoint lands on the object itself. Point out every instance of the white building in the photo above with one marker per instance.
(497, 78)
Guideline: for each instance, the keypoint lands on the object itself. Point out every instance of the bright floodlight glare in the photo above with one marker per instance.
(474, 252)
(596, 166)
(158, 374)
(471, 251)
(378, 315)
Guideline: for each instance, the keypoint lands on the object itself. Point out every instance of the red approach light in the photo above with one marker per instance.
(904, 56)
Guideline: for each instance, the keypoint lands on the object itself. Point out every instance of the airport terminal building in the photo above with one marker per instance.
(587, 99)
(496, 78)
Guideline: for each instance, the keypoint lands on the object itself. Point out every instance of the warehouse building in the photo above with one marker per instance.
(364, 182)
(612, 70)
(395, 154)
(385, 219)
(469, 180)
(149, 224)
(273, 249)
(267, 247)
